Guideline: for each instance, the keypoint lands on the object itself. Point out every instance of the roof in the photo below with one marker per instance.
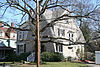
(7, 31)
(6, 48)
(11, 30)
(2, 44)
(57, 12)
(96, 38)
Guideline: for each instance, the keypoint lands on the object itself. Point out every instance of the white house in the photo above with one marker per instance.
(8, 38)
(67, 29)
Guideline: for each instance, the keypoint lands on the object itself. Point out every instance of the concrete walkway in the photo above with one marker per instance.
(93, 65)
(5, 66)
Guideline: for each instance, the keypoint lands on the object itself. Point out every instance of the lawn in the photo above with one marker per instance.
(55, 64)
(5, 63)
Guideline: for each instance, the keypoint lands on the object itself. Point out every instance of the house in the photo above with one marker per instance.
(67, 29)
(7, 40)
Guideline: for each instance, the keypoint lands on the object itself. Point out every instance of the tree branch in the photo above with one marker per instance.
(6, 24)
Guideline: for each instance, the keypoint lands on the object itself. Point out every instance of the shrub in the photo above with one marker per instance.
(58, 57)
(46, 56)
(89, 56)
(14, 57)
(69, 58)
(51, 57)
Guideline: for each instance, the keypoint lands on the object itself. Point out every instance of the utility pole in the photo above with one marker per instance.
(38, 41)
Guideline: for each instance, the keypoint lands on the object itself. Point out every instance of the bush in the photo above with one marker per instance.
(46, 56)
(58, 57)
(14, 57)
(69, 58)
(51, 57)
(89, 56)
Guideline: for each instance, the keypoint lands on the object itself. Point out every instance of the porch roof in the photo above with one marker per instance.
(6, 48)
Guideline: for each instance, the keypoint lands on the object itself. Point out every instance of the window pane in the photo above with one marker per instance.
(24, 47)
(61, 48)
(72, 35)
(69, 34)
(58, 32)
(21, 48)
(56, 48)
(63, 33)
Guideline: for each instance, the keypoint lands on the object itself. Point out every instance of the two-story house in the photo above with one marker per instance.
(67, 29)
(7, 40)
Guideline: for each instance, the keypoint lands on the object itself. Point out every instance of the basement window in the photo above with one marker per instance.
(70, 47)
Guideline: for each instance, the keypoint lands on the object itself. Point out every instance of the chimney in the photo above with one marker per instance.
(0, 24)
(12, 24)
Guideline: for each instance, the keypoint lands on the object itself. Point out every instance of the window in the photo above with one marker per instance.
(70, 47)
(21, 48)
(23, 35)
(78, 47)
(59, 48)
(71, 35)
(75, 47)
(72, 50)
(58, 32)
(24, 47)
(0, 33)
(67, 21)
(19, 35)
(13, 35)
(17, 48)
(61, 32)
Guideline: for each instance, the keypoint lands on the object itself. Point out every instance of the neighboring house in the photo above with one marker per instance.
(65, 29)
(7, 40)
(24, 43)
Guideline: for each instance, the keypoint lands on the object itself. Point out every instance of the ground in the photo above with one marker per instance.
(54, 64)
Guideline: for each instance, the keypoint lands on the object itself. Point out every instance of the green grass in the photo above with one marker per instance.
(62, 64)
(6, 62)
(59, 64)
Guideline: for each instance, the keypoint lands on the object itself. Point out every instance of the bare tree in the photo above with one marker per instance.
(27, 8)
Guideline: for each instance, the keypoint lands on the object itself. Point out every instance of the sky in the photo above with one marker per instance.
(13, 15)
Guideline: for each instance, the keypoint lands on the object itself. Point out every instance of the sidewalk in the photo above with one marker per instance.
(26, 65)
(93, 65)
(6, 66)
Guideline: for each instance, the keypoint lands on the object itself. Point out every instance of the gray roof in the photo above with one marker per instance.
(57, 12)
